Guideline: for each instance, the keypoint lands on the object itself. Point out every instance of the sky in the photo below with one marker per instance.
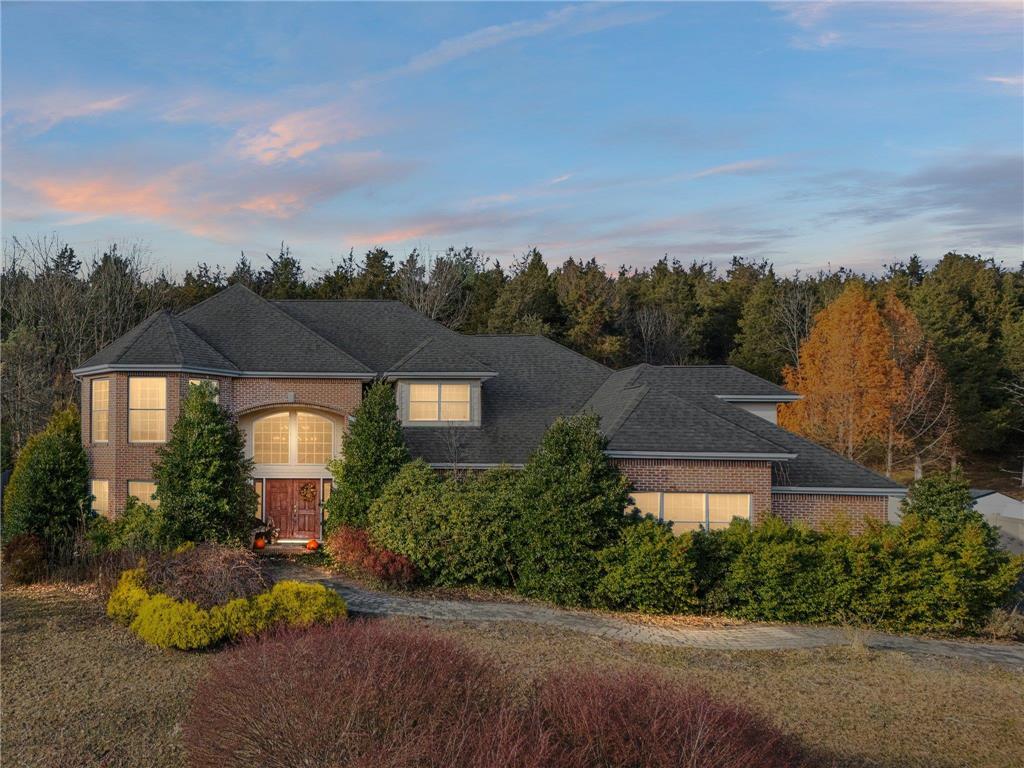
(809, 134)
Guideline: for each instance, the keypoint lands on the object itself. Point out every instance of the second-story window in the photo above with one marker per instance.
(100, 406)
(147, 409)
(439, 402)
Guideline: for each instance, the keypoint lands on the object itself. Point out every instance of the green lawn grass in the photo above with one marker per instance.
(78, 690)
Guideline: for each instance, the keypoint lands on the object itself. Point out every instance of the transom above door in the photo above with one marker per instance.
(294, 437)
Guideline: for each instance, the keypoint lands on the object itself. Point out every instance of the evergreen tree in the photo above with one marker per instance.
(48, 493)
(571, 499)
(374, 453)
(283, 278)
(203, 479)
(375, 280)
(529, 301)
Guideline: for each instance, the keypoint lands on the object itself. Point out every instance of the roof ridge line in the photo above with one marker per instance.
(644, 390)
(409, 354)
(174, 339)
(731, 421)
(307, 329)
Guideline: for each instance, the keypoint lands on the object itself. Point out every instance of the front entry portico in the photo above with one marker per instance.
(293, 507)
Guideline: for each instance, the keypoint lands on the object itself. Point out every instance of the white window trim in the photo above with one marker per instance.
(293, 438)
(92, 411)
(165, 409)
(405, 403)
(706, 522)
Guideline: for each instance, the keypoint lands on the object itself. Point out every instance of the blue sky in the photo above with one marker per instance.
(807, 133)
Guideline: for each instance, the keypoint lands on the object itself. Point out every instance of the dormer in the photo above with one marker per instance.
(439, 385)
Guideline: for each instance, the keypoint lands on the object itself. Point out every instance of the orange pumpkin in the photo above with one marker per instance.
(312, 545)
(260, 542)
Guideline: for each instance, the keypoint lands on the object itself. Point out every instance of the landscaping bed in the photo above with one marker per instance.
(79, 690)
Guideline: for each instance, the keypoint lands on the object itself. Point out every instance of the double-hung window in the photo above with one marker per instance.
(439, 402)
(690, 511)
(100, 409)
(144, 491)
(147, 409)
(100, 490)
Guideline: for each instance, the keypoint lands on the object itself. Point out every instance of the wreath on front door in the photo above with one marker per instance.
(308, 492)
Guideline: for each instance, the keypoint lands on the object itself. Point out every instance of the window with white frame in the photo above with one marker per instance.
(293, 437)
(212, 382)
(691, 511)
(100, 408)
(100, 490)
(439, 402)
(147, 409)
(144, 491)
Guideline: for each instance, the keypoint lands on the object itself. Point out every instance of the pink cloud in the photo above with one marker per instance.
(280, 206)
(106, 197)
(44, 111)
(297, 134)
(740, 168)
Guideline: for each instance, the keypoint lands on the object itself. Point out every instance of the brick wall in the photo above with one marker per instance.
(816, 510)
(119, 461)
(689, 475)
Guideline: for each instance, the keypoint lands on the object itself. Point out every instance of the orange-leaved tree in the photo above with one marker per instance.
(847, 376)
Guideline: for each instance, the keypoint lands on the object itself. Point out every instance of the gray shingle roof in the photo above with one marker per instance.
(538, 381)
(639, 412)
(258, 336)
(528, 382)
(161, 339)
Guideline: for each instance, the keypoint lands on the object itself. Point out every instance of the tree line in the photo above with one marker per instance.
(915, 365)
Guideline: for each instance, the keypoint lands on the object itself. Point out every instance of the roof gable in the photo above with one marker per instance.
(259, 337)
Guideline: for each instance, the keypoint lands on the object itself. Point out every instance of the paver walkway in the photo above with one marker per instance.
(746, 637)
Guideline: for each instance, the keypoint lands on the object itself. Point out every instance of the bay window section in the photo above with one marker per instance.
(100, 409)
(147, 409)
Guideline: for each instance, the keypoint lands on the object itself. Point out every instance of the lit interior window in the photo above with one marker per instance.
(100, 489)
(144, 491)
(147, 409)
(314, 439)
(270, 439)
(100, 406)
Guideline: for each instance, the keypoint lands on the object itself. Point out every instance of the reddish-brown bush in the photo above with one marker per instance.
(617, 719)
(357, 694)
(361, 694)
(356, 555)
(207, 574)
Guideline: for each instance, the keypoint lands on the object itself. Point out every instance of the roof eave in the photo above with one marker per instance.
(169, 368)
(724, 455)
(395, 375)
(845, 491)
(780, 398)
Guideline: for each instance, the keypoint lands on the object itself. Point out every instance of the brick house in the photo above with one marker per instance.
(700, 443)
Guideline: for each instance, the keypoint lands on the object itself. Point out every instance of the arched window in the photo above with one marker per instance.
(293, 437)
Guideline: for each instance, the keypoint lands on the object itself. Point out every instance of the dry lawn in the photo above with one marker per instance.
(77, 690)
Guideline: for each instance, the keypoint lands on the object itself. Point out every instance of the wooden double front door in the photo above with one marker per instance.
(293, 506)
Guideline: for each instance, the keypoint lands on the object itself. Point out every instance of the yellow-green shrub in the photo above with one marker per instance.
(168, 623)
(128, 596)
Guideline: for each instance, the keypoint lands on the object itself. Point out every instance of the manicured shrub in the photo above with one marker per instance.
(455, 530)
(648, 569)
(128, 596)
(207, 574)
(625, 719)
(166, 622)
(354, 694)
(48, 494)
(355, 555)
(571, 497)
(24, 559)
(202, 475)
(374, 452)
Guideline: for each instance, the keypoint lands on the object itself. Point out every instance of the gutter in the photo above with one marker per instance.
(119, 367)
(840, 491)
(700, 455)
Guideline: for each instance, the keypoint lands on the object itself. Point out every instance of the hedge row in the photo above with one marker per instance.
(168, 623)
(547, 534)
